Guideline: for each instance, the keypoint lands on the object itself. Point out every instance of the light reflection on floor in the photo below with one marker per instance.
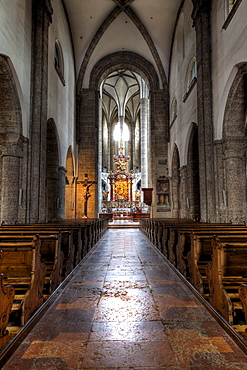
(126, 309)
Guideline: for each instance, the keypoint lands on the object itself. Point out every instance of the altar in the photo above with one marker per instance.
(123, 198)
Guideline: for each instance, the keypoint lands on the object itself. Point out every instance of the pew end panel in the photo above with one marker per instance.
(7, 295)
(22, 268)
(243, 297)
(226, 274)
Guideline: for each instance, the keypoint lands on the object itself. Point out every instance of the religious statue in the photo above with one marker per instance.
(86, 194)
(137, 195)
(105, 194)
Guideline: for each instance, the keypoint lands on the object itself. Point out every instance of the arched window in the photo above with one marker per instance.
(191, 77)
(192, 73)
(58, 61)
(117, 133)
(231, 7)
(231, 4)
(174, 110)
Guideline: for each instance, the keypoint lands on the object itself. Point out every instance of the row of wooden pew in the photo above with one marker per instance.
(212, 256)
(35, 259)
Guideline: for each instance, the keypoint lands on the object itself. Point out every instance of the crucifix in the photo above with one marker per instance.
(86, 194)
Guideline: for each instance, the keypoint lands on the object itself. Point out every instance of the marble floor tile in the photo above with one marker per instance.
(126, 308)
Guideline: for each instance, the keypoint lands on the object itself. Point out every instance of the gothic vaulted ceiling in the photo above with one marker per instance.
(102, 27)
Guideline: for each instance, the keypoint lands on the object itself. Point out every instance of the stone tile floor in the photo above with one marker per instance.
(125, 308)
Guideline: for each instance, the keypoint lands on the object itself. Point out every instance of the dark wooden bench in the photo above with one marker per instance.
(22, 268)
(7, 294)
(226, 273)
(201, 252)
(53, 243)
(183, 247)
(160, 233)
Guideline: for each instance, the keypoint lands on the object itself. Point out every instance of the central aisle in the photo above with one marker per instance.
(125, 308)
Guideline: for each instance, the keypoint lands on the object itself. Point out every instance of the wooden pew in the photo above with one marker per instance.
(201, 253)
(183, 247)
(7, 294)
(63, 242)
(22, 268)
(226, 273)
(50, 250)
(242, 291)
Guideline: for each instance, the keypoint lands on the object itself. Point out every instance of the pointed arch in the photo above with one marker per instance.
(52, 172)
(10, 144)
(234, 146)
(109, 19)
(124, 60)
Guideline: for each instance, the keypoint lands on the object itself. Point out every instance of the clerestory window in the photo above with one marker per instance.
(231, 7)
(174, 110)
(191, 77)
(121, 136)
(58, 61)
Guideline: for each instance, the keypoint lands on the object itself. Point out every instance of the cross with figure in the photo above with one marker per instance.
(86, 193)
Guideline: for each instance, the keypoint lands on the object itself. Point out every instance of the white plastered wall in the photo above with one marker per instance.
(229, 48)
(15, 43)
(184, 49)
(61, 99)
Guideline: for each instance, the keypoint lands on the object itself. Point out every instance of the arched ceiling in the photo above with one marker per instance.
(121, 93)
(102, 27)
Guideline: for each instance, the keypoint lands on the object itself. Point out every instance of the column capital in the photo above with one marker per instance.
(199, 7)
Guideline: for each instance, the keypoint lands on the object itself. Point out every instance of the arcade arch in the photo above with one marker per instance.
(11, 146)
(150, 108)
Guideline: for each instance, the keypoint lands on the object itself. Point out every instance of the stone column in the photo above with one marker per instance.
(42, 13)
(10, 191)
(23, 210)
(234, 157)
(175, 181)
(88, 151)
(220, 185)
(201, 17)
(100, 154)
(132, 140)
(159, 137)
(109, 147)
(145, 148)
(61, 192)
(184, 192)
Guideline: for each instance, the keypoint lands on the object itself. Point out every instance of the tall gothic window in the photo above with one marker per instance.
(117, 133)
(192, 73)
(174, 110)
(231, 4)
(58, 61)
(191, 77)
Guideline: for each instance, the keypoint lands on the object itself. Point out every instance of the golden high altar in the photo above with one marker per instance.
(121, 188)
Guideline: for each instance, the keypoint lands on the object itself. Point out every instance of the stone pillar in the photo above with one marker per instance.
(100, 154)
(220, 185)
(132, 140)
(159, 137)
(23, 192)
(184, 192)
(109, 147)
(234, 157)
(88, 151)
(175, 181)
(61, 192)
(201, 17)
(10, 191)
(145, 148)
(42, 13)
